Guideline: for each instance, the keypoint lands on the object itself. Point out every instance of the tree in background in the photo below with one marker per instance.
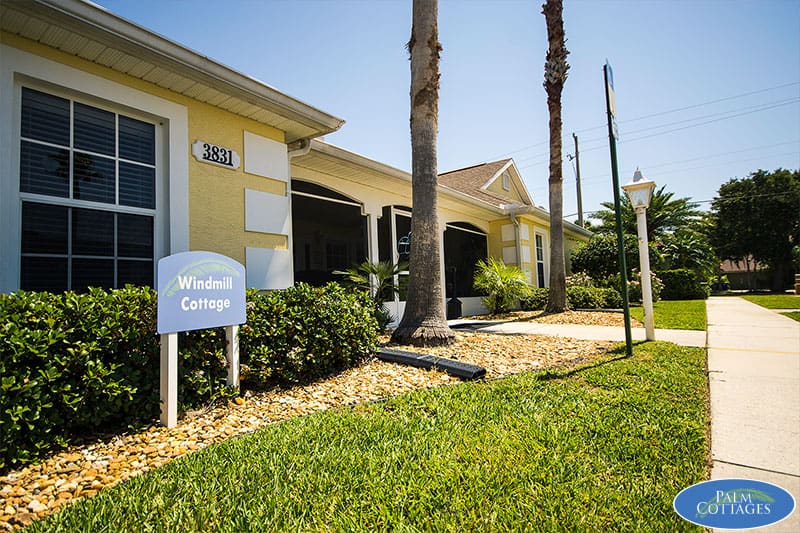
(555, 74)
(598, 258)
(691, 249)
(424, 322)
(759, 216)
(665, 214)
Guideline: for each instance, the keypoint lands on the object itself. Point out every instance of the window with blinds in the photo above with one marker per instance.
(87, 183)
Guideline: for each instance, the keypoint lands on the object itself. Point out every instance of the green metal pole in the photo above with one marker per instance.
(623, 270)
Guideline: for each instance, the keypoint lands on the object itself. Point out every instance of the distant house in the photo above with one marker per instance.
(119, 147)
(745, 274)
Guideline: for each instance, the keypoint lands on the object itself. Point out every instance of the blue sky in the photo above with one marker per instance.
(706, 90)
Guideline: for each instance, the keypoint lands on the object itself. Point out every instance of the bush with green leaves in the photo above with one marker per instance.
(578, 297)
(304, 332)
(683, 284)
(598, 258)
(535, 300)
(502, 284)
(593, 298)
(72, 364)
(378, 280)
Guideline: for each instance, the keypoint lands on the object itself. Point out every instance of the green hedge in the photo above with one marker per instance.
(76, 363)
(304, 333)
(683, 284)
(577, 297)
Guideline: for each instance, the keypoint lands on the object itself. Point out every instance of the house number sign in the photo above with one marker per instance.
(215, 154)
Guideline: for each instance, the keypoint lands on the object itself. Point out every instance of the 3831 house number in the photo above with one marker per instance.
(215, 154)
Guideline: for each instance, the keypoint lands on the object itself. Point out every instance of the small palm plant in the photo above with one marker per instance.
(378, 280)
(503, 284)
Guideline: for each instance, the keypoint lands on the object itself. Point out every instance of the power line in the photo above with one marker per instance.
(693, 106)
(754, 108)
(651, 115)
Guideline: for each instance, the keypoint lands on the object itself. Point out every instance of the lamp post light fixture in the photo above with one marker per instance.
(640, 192)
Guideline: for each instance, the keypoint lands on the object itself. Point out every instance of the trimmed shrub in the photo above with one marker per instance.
(593, 298)
(71, 363)
(578, 297)
(305, 332)
(76, 363)
(683, 284)
(613, 299)
(535, 299)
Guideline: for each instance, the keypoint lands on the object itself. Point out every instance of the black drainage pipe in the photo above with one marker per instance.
(454, 368)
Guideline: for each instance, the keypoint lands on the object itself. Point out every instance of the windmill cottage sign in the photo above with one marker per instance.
(197, 290)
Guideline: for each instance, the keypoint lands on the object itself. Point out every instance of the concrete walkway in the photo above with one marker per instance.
(594, 333)
(754, 375)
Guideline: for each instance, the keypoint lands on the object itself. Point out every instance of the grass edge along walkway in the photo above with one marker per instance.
(604, 446)
(676, 314)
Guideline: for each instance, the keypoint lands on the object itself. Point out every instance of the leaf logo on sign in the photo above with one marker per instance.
(734, 503)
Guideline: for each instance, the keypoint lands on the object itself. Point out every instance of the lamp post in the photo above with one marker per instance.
(640, 192)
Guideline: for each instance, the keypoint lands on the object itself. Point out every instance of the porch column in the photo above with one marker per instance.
(442, 229)
(373, 212)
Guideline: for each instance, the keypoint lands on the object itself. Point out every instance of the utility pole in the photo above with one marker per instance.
(578, 181)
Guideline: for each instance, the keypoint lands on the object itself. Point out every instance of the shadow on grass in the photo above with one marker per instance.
(564, 373)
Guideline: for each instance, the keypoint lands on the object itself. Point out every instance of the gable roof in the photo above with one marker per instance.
(474, 181)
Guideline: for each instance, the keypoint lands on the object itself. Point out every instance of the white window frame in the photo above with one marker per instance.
(115, 207)
(543, 262)
(20, 68)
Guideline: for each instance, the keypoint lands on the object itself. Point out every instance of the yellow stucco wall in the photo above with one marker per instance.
(512, 193)
(216, 194)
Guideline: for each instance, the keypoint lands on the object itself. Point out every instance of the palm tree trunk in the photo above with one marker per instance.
(424, 322)
(555, 75)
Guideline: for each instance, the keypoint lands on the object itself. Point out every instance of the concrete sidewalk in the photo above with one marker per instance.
(594, 333)
(754, 376)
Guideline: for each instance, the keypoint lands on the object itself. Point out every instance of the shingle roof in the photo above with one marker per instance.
(471, 180)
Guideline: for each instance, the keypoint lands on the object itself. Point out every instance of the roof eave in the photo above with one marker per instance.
(100, 24)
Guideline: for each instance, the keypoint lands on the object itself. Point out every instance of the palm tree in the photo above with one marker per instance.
(555, 74)
(424, 322)
(503, 284)
(664, 215)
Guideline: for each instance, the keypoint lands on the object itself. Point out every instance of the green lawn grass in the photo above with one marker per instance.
(794, 315)
(775, 301)
(603, 447)
(676, 314)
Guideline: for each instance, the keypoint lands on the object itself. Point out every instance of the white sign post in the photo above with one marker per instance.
(197, 290)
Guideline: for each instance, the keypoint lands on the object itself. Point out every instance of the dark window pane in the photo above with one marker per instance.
(94, 130)
(44, 170)
(462, 251)
(94, 178)
(44, 229)
(92, 232)
(137, 140)
(135, 236)
(135, 273)
(45, 117)
(403, 232)
(44, 274)
(92, 273)
(137, 185)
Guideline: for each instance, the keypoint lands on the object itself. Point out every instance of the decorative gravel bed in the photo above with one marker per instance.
(82, 470)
